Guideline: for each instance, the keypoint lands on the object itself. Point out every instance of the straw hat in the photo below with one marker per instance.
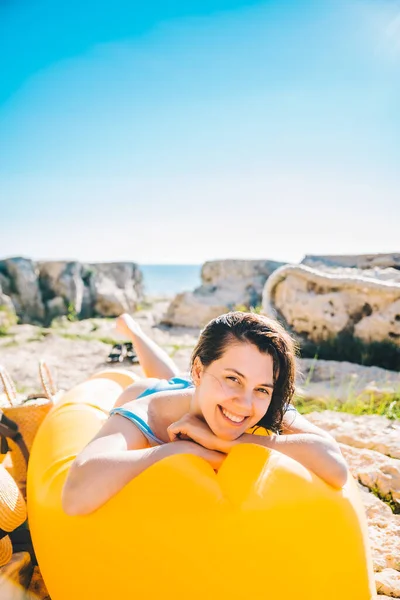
(12, 513)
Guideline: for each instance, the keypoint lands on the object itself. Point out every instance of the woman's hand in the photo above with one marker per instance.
(190, 427)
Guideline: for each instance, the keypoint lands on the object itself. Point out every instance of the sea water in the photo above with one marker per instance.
(169, 280)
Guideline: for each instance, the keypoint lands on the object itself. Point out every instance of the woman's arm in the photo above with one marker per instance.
(317, 453)
(311, 446)
(294, 422)
(112, 459)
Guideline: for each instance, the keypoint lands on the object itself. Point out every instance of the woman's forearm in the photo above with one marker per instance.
(93, 481)
(318, 454)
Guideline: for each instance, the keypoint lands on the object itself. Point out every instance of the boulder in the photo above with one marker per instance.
(25, 291)
(226, 285)
(241, 280)
(115, 288)
(5, 284)
(87, 303)
(358, 261)
(330, 381)
(40, 292)
(8, 316)
(319, 305)
(191, 309)
(55, 308)
(388, 582)
(377, 472)
(383, 532)
(373, 432)
(62, 279)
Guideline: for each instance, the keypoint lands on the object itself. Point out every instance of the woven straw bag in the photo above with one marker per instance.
(12, 513)
(27, 414)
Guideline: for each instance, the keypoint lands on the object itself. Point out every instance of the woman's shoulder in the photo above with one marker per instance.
(146, 387)
(156, 404)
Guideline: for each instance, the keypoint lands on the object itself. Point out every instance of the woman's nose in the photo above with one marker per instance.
(244, 399)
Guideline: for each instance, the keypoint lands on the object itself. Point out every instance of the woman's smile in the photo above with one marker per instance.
(232, 418)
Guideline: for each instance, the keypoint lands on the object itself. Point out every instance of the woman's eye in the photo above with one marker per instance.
(235, 379)
(264, 391)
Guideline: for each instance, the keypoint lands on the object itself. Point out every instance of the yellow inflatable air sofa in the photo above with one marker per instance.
(264, 527)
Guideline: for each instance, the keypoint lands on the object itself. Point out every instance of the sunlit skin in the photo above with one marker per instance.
(240, 382)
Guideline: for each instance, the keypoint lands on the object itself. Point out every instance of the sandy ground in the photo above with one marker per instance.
(76, 350)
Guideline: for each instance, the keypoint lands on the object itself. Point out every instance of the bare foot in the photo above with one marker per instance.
(127, 326)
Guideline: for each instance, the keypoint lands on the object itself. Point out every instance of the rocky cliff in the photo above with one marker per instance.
(37, 292)
(344, 313)
(355, 261)
(339, 307)
(226, 284)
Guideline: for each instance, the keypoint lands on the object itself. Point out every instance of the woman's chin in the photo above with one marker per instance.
(225, 434)
(232, 436)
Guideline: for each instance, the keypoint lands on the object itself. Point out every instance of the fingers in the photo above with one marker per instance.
(180, 429)
(171, 434)
(176, 432)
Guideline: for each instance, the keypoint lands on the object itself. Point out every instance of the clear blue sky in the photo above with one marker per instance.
(192, 130)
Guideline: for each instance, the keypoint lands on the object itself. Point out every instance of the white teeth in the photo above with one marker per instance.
(232, 417)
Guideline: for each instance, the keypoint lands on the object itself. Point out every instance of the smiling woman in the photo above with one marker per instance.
(242, 379)
(253, 360)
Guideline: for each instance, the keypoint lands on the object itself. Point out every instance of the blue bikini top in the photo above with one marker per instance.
(138, 415)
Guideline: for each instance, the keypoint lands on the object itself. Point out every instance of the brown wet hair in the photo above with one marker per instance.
(270, 338)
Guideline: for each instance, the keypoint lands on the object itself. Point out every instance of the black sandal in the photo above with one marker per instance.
(130, 353)
(117, 353)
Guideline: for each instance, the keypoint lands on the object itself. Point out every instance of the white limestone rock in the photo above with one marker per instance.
(189, 309)
(115, 288)
(358, 261)
(226, 284)
(388, 582)
(383, 532)
(319, 305)
(365, 431)
(330, 381)
(374, 470)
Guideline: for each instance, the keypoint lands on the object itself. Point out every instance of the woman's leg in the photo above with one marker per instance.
(154, 361)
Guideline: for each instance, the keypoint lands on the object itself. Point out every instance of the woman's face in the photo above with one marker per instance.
(234, 392)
